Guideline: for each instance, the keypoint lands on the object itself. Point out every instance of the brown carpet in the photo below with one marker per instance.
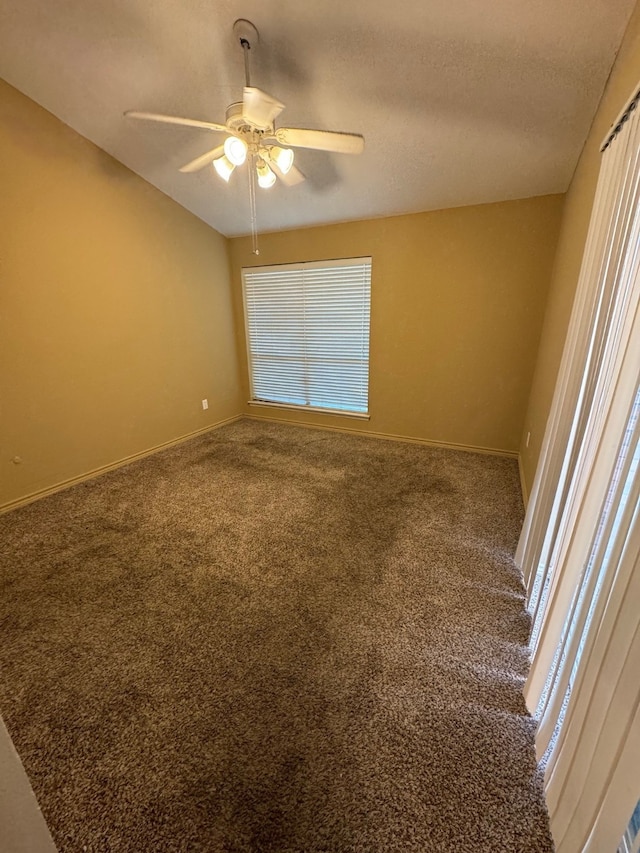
(275, 639)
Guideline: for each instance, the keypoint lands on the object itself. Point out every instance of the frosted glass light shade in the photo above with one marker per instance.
(283, 158)
(224, 167)
(266, 178)
(235, 150)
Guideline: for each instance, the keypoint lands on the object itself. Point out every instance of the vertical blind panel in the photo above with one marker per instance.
(547, 495)
(610, 275)
(308, 334)
(581, 539)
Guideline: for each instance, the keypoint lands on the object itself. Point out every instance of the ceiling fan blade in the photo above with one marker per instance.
(203, 160)
(291, 178)
(259, 108)
(188, 122)
(321, 140)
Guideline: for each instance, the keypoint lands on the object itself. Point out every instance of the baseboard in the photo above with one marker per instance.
(96, 472)
(385, 436)
(523, 482)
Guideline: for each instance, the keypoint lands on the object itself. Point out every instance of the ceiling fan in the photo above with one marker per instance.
(252, 136)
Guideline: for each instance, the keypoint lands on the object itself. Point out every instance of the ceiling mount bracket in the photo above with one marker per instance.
(245, 33)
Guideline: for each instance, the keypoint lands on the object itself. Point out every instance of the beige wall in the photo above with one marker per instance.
(115, 309)
(457, 304)
(116, 315)
(625, 75)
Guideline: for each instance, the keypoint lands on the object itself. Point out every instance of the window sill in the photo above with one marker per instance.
(363, 416)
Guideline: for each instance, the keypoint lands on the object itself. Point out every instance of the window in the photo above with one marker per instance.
(308, 334)
(631, 839)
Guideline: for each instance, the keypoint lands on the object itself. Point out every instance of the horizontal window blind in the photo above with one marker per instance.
(308, 334)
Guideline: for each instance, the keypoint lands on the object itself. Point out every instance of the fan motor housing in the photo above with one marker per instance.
(237, 124)
(234, 120)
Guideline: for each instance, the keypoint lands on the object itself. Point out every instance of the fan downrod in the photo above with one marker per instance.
(246, 34)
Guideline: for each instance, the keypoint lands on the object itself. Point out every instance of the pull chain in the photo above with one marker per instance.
(246, 47)
(252, 201)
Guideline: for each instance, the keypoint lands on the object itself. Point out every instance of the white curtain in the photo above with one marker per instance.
(581, 539)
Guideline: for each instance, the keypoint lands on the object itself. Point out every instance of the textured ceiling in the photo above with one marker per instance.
(459, 102)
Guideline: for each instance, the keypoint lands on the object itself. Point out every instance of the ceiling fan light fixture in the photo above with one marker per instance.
(224, 167)
(282, 157)
(250, 135)
(266, 178)
(235, 150)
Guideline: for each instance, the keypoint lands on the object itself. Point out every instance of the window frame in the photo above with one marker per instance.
(305, 265)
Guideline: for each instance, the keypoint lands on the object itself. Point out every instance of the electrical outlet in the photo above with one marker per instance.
(205, 404)
(527, 441)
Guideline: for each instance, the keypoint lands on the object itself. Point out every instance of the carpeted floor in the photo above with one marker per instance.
(275, 639)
